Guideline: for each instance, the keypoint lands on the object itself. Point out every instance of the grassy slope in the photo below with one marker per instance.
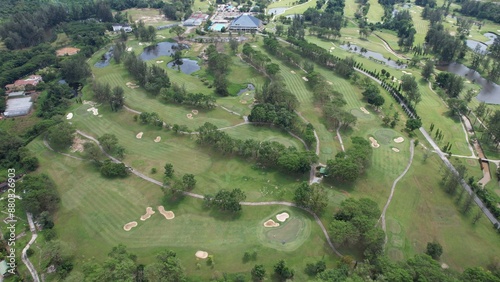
(95, 209)
(376, 11)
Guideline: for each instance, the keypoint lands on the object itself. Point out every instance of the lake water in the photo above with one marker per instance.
(106, 58)
(483, 45)
(188, 66)
(249, 87)
(276, 11)
(490, 92)
(160, 49)
(370, 54)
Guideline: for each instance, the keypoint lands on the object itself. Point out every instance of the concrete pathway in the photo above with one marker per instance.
(24, 256)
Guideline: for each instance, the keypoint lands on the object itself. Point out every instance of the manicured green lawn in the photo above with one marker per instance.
(376, 11)
(93, 211)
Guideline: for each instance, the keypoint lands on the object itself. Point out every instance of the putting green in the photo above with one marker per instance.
(289, 236)
(385, 136)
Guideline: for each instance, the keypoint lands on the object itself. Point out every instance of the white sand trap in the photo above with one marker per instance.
(149, 213)
(159, 62)
(93, 110)
(329, 82)
(157, 139)
(254, 46)
(167, 214)
(364, 110)
(129, 49)
(305, 78)
(374, 142)
(195, 112)
(271, 223)
(131, 85)
(77, 145)
(69, 116)
(282, 216)
(130, 225)
(348, 38)
(405, 72)
(201, 254)
(91, 103)
(444, 266)
(292, 72)
(399, 140)
(161, 36)
(243, 101)
(395, 150)
(140, 43)
(139, 135)
(189, 116)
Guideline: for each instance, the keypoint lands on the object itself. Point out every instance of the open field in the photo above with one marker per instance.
(299, 9)
(94, 210)
(376, 12)
(282, 3)
(149, 16)
(350, 8)
(422, 212)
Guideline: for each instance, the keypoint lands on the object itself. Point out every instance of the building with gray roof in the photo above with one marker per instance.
(246, 23)
(18, 107)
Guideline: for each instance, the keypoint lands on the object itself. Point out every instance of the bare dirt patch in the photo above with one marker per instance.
(157, 139)
(149, 213)
(374, 142)
(139, 135)
(201, 254)
(399, 140)
(167, 214)
(67, 51)
(282, 216)
(271, 223)
(77, 145)
(130, 225)
(364, 110)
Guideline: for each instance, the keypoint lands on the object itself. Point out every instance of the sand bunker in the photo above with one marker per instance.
(91, 103)
(329, 82)
(159, 62)
(399, 140)
(93, 110)
(149, 212)
(67, 51)
(444, 266)
(157, 139)
(167, 214)
(405, 72)
(130, 225)
(282, 216)
(129, 49)
(254, 46)
(189, 116)
(195, 112)
(271, 223)
(139, 135)
(161, 36)
(201, 254)
(374, 142)
(131, 85)
(395, 150)
(305, 78)
(364, 110)
(140, 43)
(292, 72)
(69, 116)
(243, 101)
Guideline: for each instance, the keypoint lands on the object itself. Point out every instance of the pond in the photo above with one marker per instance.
(373, 55)
(249, 87)
(105, 59)
(160, 49)
(490, 92)
(188, 66)
(483, 45)
(276, 11)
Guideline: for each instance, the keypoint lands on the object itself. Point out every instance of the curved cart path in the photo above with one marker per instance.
(24, 256)
(382, 216)
(198, 196)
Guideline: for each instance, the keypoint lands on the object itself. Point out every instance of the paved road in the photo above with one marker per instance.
(340, 139)
(382, 216)
(24, 256)
(467, 188)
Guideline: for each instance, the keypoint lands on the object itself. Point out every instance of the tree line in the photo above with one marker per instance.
(269, 154)
(481, 10)
(348, 166)
(153, 78)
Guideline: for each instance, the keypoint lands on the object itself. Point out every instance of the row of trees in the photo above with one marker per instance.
(402, 23)
(481, 10)
(153, 78)
(218, 66)
(351, 164)
(272, 154)
(225, 200)
(178, 94)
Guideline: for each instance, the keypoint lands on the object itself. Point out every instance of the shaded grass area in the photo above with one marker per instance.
(424, 212)
(376, 11)
(94, 210)
(265, 133)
